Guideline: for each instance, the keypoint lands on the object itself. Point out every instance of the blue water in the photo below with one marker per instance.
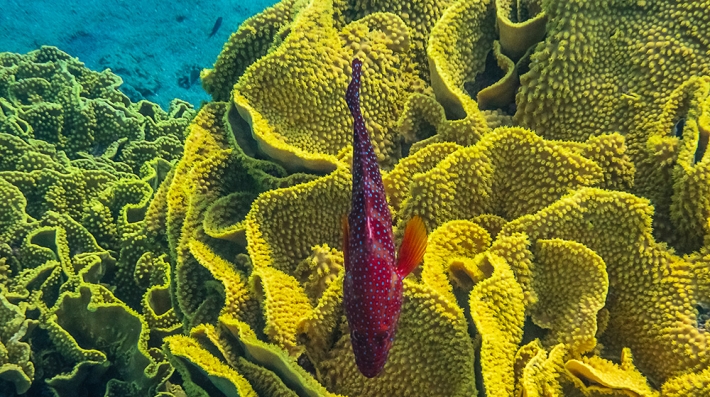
(151, 44)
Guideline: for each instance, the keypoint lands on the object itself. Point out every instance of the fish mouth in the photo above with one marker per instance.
(371, 369)
(370, 372)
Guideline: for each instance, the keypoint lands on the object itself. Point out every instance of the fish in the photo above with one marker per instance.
(372, 286)
(216, 26)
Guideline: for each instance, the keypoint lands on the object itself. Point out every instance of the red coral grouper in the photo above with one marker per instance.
(372, 290)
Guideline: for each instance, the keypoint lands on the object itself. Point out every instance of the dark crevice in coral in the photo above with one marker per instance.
(678, 127)
(134, 215)
(586, 381)
(228, 339)
(523, 64)
(426, 130)
(491, 74)
(478, 372)
(46, 239)
(47, 360)
(50, 293)
(242, 134)
(306, 364)
(228, 251)
(462, 299)
(532, 331)
(703, 315)
(200, 378)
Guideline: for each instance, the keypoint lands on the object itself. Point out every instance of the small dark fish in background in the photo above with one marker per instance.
(216, 26)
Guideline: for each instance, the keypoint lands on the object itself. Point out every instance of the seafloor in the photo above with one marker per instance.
(154, 45)
(554, 150)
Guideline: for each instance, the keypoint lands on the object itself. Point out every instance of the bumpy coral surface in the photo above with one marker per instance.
(554, 149)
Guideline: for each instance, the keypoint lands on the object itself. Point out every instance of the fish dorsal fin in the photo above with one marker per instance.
(411, 252)
(346, 238)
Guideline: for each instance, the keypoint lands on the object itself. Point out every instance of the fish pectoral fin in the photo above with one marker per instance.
(411, 252)
(346, 238)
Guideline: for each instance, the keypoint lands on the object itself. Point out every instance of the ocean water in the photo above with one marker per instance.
(151, 44)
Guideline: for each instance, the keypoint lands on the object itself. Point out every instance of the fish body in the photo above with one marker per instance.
(216, 27)
(372, 288)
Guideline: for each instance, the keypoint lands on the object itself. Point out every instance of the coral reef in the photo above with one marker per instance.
(555, 154)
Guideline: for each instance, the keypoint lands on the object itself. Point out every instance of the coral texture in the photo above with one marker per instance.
(555, 150)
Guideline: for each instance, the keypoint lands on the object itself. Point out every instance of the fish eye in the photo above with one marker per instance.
(356, 336)
(381, 337)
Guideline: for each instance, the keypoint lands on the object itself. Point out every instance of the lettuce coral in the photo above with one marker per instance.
(15, 364)
(277, 93)
(51, 96)
(199, 253)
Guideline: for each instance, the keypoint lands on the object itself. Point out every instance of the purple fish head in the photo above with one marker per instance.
(375, 347)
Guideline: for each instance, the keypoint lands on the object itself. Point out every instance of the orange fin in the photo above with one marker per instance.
(346, 238)
(411, 252)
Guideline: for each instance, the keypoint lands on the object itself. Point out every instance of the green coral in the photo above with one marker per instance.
(49, 95)
(16, 366)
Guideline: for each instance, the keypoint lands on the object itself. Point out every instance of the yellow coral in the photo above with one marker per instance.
(514, 248)
(213, 170)
(318, 330)
(293, 98)
(541, 374)
(319, 270)
(610, 152)
(571, 283)
(688, 385)
(249, 43)
(222, 377)
(457, 52)
(284, 224)
(522, 357)
(153, 275)
(501, 93)
(597, 374)
(642, 274)
(16, 365)
(450, 246)
(424, 122)
(239, 302)
(396, 182)
(690, 206)
(493, 285)
(275, 360)
(206, 154)
(501, 330)
(263, 381)
(284, 302)
(499, 176)
(563, 96)
(521, 24)
(225, 217)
